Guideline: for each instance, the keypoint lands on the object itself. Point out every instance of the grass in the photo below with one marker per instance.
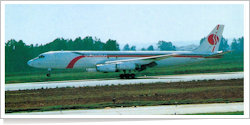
(219, 113)
(229, 63)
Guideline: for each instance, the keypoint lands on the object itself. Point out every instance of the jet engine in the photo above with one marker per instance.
(126, 66)
(116, 67)
(106, 68)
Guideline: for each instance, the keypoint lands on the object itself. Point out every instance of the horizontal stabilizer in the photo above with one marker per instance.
(217, 54)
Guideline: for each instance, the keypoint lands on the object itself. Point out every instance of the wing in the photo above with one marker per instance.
(152, 58)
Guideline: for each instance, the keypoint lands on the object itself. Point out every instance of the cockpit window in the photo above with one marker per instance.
(41, 56)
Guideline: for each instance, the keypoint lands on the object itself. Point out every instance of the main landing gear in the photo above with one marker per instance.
(48, 74)
(127, 76)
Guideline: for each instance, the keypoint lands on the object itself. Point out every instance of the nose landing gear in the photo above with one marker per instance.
(48, 74)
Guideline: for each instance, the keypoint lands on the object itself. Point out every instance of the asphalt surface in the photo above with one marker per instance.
(144, 79)
(149, 110)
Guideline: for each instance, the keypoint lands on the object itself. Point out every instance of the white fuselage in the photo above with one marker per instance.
(89, 59)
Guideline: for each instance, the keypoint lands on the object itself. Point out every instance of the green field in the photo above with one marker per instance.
(219, 113)
(229, 63)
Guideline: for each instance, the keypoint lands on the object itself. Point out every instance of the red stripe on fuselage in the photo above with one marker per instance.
(189, 56)
(131, 55)
(73, 61)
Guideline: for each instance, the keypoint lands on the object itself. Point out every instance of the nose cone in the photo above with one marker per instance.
(29, 63)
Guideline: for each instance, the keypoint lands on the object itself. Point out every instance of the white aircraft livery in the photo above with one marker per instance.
(116, 61)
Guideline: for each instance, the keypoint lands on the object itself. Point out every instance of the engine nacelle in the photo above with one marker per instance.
(126, 66)
(117, 67)
(106, 68)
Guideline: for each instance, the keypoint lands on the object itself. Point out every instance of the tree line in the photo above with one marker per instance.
(17, 53)
(162, 45)
(238, 45)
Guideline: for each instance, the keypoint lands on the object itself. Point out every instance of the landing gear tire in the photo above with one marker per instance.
(121, 76)
(48, 74)
(127, 76)
(132, 76)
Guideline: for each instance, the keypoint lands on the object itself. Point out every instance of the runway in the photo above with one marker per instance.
(150, 110)
(144, 79)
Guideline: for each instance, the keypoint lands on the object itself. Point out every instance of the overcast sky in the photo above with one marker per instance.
(135, 24)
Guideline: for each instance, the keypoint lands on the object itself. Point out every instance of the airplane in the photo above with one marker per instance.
(117, 61)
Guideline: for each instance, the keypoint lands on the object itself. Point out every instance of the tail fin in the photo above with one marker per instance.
(212, 41)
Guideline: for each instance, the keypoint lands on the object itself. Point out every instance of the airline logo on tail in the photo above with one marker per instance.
(213, 39)
(211, 44)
